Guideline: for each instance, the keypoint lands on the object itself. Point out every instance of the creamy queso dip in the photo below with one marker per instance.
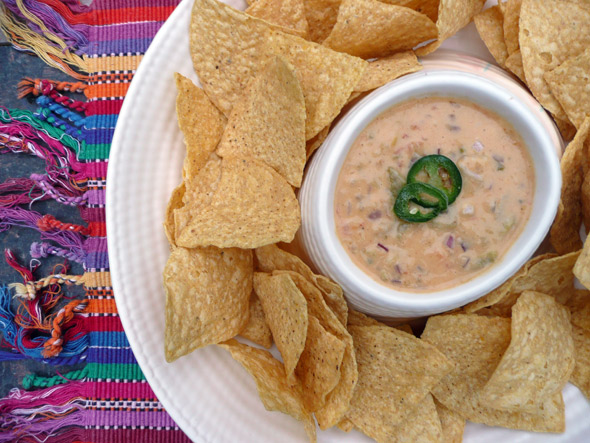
(461, 242)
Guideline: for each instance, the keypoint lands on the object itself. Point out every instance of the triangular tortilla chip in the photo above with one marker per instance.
(383, 70)
(207, 293)
(289, 14)
(551, 31)
(276, 392)
(285, 310)
(201, 124)
(489, 27)
(267, 123)
(252, 206)
(369, 29)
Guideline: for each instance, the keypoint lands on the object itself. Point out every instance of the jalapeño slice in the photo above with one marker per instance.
(422, 194)
(438, 171)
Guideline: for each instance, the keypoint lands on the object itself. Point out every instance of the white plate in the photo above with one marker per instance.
(208, 394)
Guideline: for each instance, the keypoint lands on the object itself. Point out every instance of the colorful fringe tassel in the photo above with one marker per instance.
(108, 400)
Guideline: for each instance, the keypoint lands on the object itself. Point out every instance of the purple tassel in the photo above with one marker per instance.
(41, 414)
(74, 36)
(21, 217)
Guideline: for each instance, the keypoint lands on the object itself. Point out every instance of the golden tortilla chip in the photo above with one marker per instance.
(198, 192)
(565, 231)
(318, 368)
(545, 273)
(539, 359)
(569, 83)
(452, 16)
(257, 329)
(489, 26)
(285, 310)
(384, 70)
(551, 31)
(427, 7)
(452, 424)
(514, 64)
(511, 15)
(356, 318)
(337, 401)
(207, 292)
(321, 17)
(422, 425)
(346, 425)
(251, 207)
(585, 197)
(327, 77)
(579, 305)
(566, 129)
(275, 390)
(268, 122)
(289, 14)
(225, 50)
(200, 122)
(581, 375)
(386, 393)
(174, 203)
(369, 28)
(476, 344)
(271, 258)
(316, 141)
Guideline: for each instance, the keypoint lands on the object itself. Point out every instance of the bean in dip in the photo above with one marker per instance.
(479, 224)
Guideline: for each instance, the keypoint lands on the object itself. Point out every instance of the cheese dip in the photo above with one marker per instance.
(473, 233)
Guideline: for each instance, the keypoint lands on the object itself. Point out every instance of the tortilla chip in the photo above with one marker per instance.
(268, 122)
(452, 16)
(579, 306)
(551, 31)
(585, 197)
(453, 425)
(200, 122)
(489, 26)
(207, 292)
(285, 310)
(319, 365)
(503, 290)
(566, 129)
(275, 390)
(476, 344)
(337, 401)
(570, 84)
(357, 318)
(198, 192)
(271, 258)
(581, 375)
(427, 7)
(384, 70)
(369, 28)
(547, 273)
(257, 329)
(289, 14)
(386, 393)
(316, 141)
(565, 231)
(327, 77)
(511, 15)
(539, 359)
(514, 64)
(251, 207)
(174, 203)
(422, 425)
(346, 425)
(218, 36)
(321, 17)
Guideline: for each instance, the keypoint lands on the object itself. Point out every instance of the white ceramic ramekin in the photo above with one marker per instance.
(502, 96)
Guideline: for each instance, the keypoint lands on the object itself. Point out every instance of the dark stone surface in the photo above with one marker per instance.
(14, 66)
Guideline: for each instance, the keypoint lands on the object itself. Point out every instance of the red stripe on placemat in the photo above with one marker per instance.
(153, 13)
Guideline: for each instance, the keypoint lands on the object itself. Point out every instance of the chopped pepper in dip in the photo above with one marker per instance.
(453, 226)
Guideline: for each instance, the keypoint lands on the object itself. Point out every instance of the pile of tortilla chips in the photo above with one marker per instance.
(274, 78)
